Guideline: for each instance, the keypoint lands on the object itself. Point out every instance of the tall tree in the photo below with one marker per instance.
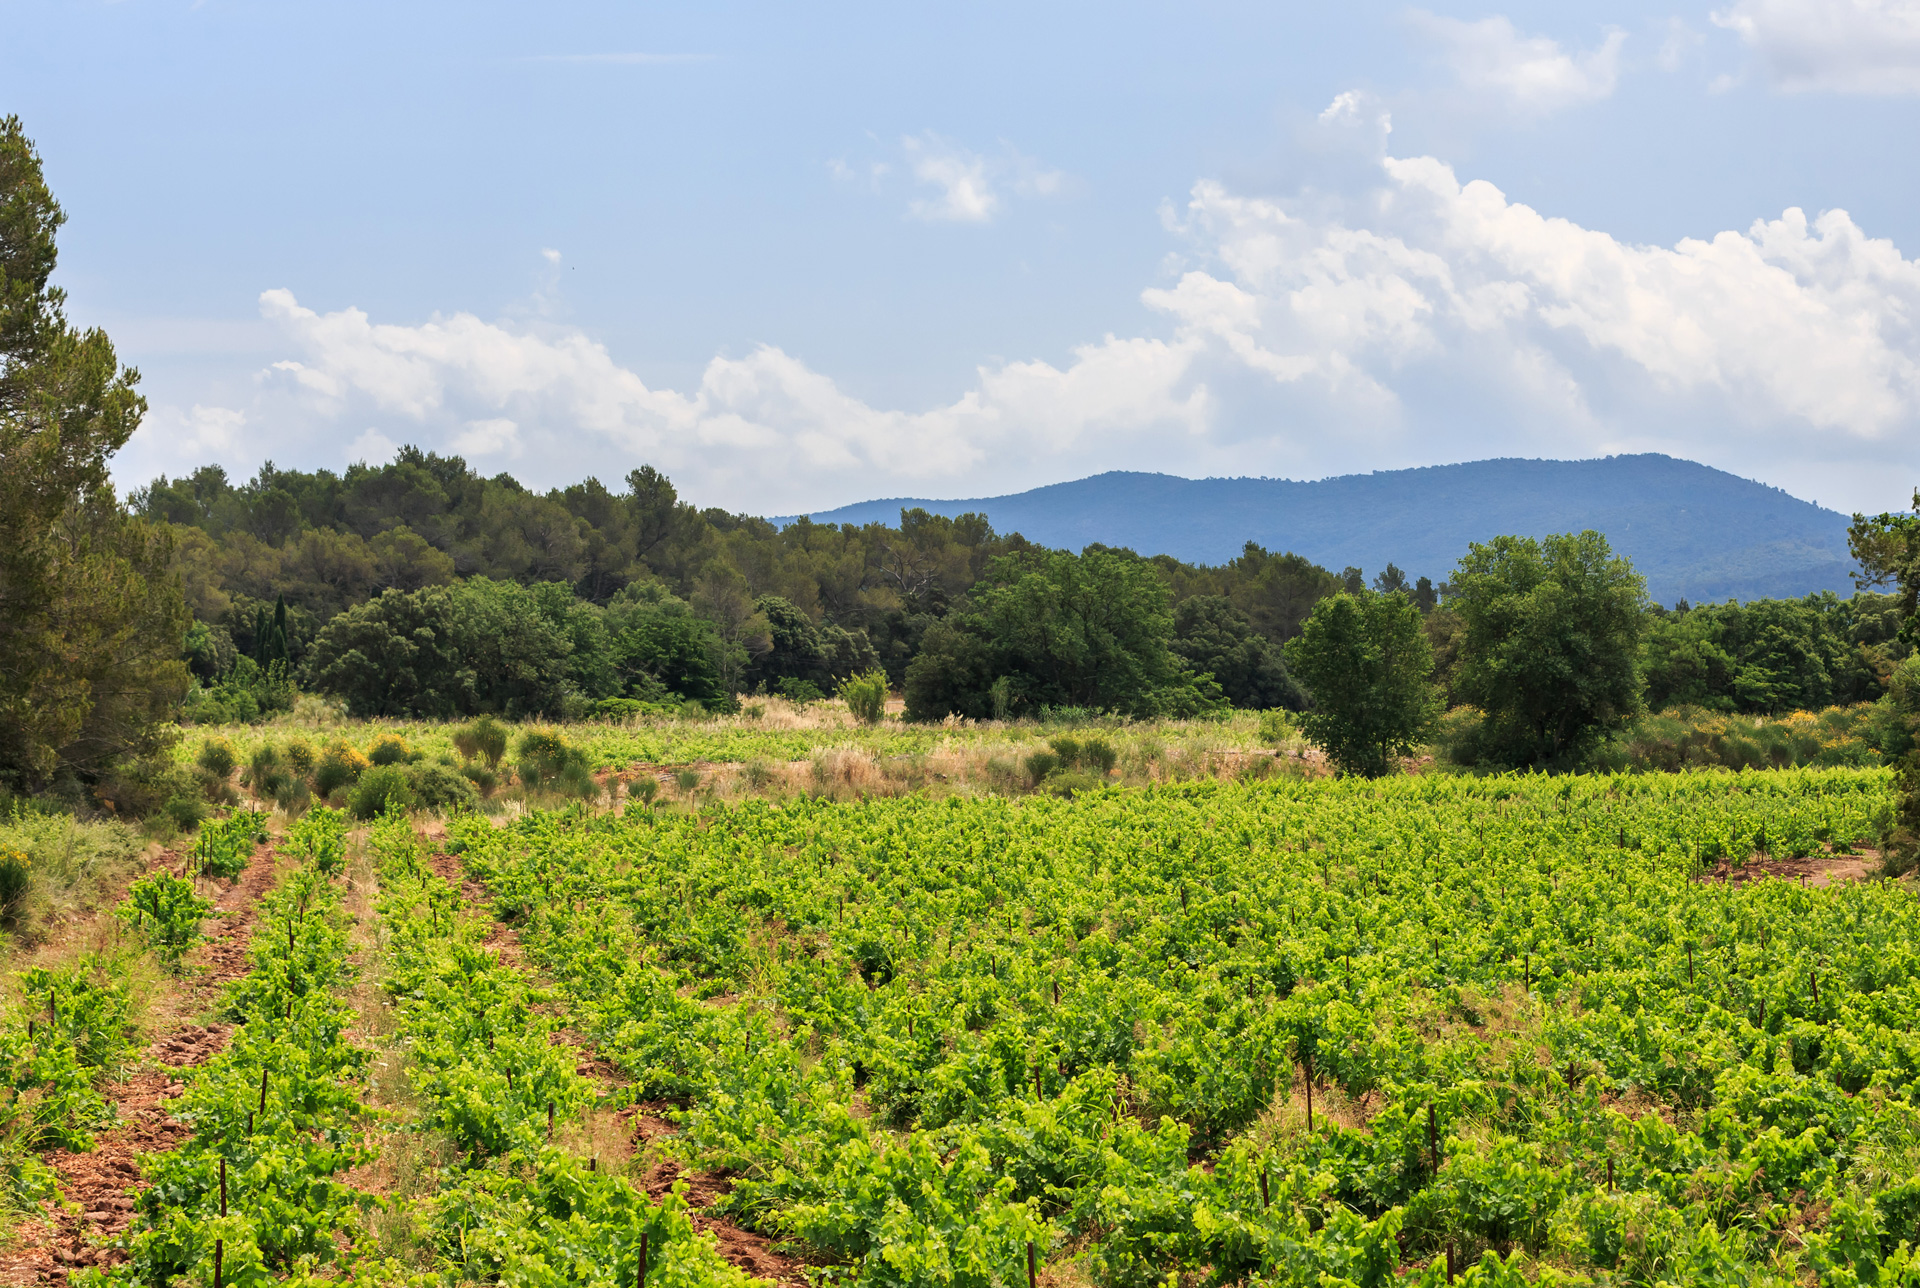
(1550, 646)
(1365, 659)
(91, 623)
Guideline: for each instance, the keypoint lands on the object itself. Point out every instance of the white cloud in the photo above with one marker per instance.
(551, 255)
(969, 185)
(1848, 46)
(966, 194)
(1425, 320)
(1529, 72)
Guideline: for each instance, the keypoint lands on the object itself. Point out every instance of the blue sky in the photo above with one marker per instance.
(803, 255)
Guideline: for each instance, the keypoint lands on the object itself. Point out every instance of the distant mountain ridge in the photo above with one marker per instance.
(1694, 532)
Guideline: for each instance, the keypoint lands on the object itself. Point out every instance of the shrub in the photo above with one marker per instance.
(341, 766)
(141, 787)
(866, 695)
(1066, 782)
(264, 777)
(802, 691)
(185, 811)
(1040, 764)
(1098, 755)
(549, 760)
(16, 873)
(389, 749)
(483, 739)
(484, 780)
(381, 789)
(644, 788)
(440, 788)
(300, 758)
(687, 780)
(216, 757)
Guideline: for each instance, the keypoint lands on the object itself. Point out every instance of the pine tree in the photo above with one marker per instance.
(91, 623)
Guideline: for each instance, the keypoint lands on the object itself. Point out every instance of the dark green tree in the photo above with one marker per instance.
(393, 656)
(1051, 629)
(1366, 662)
(1550, 644)
(91, 621)
(1213, 638)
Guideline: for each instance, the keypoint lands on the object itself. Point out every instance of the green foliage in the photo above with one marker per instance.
(548, 761)
(1550, 650)
(165, 909)
(223, 848)
(866, 695)
(217, 757)
(319, 840)
(1214, 638)
(442, 788)
(16, 877)
(1771, 655)
(1087, 1023)
(339, 766)
(483, 739)
(280, 1106)
(1090, 630)
(90, 621)
(381, 789)
(1366, 660)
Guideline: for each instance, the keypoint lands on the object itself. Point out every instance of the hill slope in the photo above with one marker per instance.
(1694, 532)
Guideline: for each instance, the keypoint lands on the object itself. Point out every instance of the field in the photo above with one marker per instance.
(1635, 1029)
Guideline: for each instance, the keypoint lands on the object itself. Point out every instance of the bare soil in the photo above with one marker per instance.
(1812, 870)
(99, 1184)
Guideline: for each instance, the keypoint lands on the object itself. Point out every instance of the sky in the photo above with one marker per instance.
(796, 256)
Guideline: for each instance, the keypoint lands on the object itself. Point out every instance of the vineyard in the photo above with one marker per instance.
(1422, 1030)
(1292, 1033)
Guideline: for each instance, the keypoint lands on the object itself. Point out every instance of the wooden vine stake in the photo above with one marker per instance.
(549, 1120)
(1609, 1173)
(1266, 1200)
(1309, 1068)
(219, 1255)
(641, 1278)
(223, 1187)
(263, 1091)
(1033, 1279)
(1433, 1136)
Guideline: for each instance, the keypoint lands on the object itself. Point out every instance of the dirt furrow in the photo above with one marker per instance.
(100, 1181)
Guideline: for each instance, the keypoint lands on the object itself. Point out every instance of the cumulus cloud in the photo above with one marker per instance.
(1847, 46)
(1429, 319)
(1529, 72)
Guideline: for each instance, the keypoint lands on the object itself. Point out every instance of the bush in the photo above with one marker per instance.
(483, 739)
(186, 812)
(145, 786)
(802, 691)
(341, 766)
(300, 758)
(217, 757)
(1095, 755)
(381, 789)
(548, 760)
(439, 788)
(16, 874)
(1040, 764)
(484, 780)
(264, 777)
(866, 695)
(389, 749)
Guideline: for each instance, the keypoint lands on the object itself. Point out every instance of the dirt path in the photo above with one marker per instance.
(99, 1181)
(753, 1253)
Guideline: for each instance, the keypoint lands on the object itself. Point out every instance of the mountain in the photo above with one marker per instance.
(1695, 533)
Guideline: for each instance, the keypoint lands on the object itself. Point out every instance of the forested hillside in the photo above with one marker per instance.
(1693, 532)
(549, 603)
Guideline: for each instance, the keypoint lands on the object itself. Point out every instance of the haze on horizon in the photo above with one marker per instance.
(797, 260)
